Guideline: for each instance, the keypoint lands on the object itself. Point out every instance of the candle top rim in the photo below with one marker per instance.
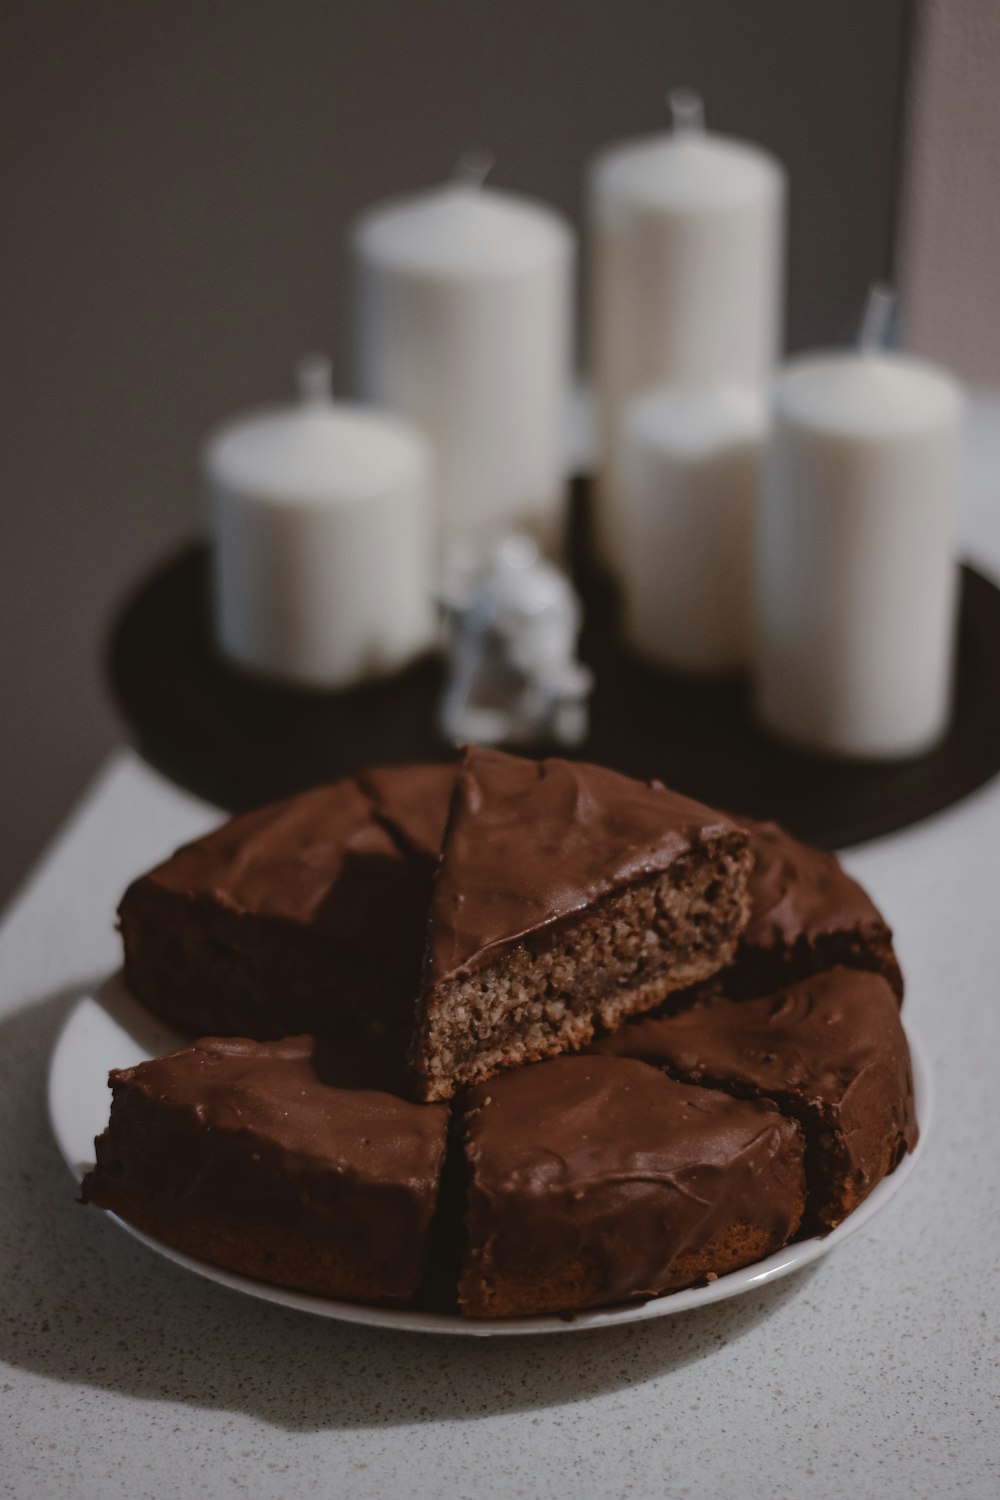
(315, 452)
(873, 392)
(461, 229)
(676, 172)
(696, 419)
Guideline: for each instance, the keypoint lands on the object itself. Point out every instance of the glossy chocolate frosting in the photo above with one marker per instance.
(608, 1162)
(285, 861)
(251, 1132)
(831, 1049)
(797, 891)
(532, 841)
(289, 860)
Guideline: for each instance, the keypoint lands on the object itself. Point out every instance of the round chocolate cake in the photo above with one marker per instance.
(503, 1037)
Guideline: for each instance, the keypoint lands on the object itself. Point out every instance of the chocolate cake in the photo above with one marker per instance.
(829, 1051)
(567, 897)
(241, 1153)
(438, 926)
(598, 1180)
(806, 915)
(307, 915)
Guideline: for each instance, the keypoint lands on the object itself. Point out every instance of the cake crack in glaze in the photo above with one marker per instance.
(650, 1044)
(413, 802)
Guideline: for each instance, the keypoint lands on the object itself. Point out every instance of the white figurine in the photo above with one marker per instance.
(514, 677)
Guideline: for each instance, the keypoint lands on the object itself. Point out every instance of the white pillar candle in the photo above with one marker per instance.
(857, 573)
(464, 324)
(320, 519)
(687, 275)
(690, 470)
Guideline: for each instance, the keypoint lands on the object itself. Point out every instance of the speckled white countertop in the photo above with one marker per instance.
(874, 1373)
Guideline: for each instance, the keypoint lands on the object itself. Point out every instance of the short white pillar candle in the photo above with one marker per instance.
(687, 275)
(321, 530)
(464, 315)
(690, 470)
(856, 569)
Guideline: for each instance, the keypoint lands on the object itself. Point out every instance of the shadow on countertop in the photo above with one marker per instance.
(86, 1304)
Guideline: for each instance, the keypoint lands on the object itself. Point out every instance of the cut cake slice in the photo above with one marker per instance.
(831, 1052)
(594, 1180)
(242, 1154)
(308, 915)
(567, 897)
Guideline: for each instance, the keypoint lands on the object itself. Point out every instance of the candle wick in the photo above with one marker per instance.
(878, 317)
(473, 167)
(314, 378)
(687, 111)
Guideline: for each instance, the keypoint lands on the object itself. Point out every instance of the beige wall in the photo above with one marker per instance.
(175, 184)
(950, 240)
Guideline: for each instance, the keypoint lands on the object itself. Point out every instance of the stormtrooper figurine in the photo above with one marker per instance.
(513, 674)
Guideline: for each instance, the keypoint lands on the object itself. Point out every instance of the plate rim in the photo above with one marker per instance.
(735, 1283)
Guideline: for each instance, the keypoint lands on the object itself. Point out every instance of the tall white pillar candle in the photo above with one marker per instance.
(464, 323)
(857, 573)
(687, 231)
(320, 518)
(690, 470)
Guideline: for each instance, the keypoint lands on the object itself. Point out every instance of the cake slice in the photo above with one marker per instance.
(806, 915)
(567, 897)
(596, 1180)
(307, 915)
(829, 1050)
(240, 1153)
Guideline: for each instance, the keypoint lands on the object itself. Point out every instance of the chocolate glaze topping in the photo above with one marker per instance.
(296, 860)
(286, 860)
(608, 1162)
(797, 891)
(252, 1132)
(830, 1049)
(532, 841)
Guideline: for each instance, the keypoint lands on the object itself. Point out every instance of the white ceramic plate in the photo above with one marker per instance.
(109, 1030)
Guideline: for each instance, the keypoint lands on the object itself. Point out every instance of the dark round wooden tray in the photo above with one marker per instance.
(238, 742)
